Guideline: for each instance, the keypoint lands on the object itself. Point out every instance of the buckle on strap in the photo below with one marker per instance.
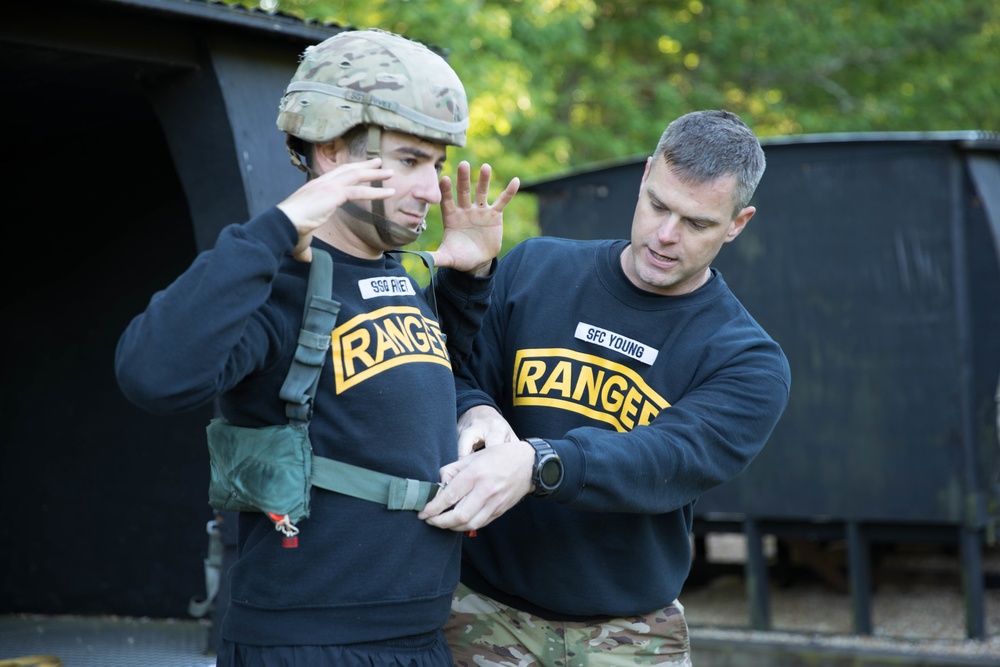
(410, 494)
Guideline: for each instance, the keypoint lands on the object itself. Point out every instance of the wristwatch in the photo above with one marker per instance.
(548, 470)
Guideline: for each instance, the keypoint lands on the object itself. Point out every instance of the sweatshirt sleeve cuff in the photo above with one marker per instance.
(273, 228)
(473, 286)
(574, 469)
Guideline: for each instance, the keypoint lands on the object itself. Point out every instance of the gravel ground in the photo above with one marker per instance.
(919, 610)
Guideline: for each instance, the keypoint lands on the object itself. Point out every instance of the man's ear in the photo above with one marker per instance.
(739, 222)
(645, 176)
(329, 155)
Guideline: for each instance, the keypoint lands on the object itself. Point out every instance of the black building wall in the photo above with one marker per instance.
(134, 130)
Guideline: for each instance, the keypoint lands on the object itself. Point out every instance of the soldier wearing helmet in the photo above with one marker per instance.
(368, 116)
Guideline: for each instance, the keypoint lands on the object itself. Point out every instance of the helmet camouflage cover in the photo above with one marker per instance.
(373, 77)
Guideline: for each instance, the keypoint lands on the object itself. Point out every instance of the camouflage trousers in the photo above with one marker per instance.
(485, 633)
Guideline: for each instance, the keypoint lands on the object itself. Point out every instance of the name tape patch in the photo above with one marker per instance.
(385, 286)
(612, 341)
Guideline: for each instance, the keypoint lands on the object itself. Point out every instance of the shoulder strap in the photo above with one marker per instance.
(314, 340)
(428, 261)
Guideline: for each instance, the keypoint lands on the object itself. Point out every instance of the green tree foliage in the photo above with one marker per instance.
(560, 85)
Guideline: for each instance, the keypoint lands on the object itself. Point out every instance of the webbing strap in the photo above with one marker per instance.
(367, 99)
(428, 260)
(314, 340)
(396, 493)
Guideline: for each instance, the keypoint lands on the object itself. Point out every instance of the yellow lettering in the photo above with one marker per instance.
(415, 326)
(383, 343)
(632, 399)
(375, 342)
(611, 399)
(648, 414)
(355, 346)
(397, 331)
(561, 379)
(530, 372)
(588, 383)
(435, 337)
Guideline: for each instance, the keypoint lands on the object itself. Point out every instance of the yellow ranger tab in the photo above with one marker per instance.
(370, 343)
(586, 384)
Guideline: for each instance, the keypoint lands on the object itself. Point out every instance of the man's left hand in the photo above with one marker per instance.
(473, 229)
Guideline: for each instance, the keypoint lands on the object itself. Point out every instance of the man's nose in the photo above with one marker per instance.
(427, 188)
(669, 231)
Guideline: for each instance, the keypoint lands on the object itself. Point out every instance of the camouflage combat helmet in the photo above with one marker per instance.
(373, 77)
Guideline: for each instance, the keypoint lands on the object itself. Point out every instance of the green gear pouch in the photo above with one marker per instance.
(260, 469)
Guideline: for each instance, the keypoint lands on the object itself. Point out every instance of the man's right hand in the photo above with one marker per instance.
(315, 203)
(482, 486)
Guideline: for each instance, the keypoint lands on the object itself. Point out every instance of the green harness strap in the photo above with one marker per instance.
(314, 340)
(299, 388)
(396, 493)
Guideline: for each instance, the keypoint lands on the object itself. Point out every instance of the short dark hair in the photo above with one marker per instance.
(356, 138)
(703, 146)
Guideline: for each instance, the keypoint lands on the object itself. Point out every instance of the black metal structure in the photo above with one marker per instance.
(874, 259)
(134, 131)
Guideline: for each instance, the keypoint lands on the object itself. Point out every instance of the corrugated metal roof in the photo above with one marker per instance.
(967, 139)
(235, 15)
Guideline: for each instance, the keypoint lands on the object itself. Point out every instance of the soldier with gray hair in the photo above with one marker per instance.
(612, 383)
(350, 576)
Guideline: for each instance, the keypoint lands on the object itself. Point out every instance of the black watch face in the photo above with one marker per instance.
(550, 474)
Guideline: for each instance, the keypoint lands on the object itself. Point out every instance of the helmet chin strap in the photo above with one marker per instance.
(392, 233)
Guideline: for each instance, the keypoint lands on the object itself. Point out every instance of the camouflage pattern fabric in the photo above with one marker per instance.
(378, 78)
(485, 633)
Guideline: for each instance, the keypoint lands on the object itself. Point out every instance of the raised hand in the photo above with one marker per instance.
(314, 204)
(473, 229)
